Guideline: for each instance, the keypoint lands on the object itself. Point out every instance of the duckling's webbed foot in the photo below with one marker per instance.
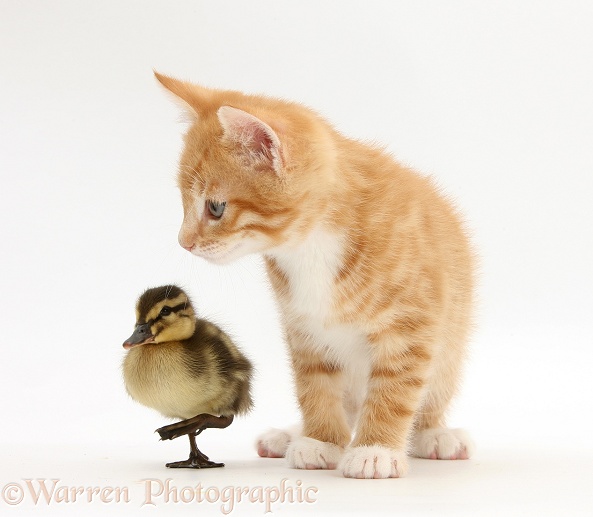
(197, 459)
(194, 462)
(194, 425)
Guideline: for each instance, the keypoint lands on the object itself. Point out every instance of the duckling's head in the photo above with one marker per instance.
(162, 314)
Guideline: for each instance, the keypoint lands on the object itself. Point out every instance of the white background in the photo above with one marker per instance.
(492, 98)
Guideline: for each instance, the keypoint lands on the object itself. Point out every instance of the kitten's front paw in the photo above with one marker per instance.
(273, 443)
(308, 453)
(373, 462)
(442, 444)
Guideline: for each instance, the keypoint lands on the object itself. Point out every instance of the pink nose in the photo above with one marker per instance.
(186, 244)
(186, 240)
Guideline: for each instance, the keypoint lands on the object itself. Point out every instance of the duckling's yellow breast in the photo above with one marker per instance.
(157, 376)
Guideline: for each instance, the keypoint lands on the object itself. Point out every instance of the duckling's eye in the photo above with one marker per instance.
(216, 209)
(165, 311)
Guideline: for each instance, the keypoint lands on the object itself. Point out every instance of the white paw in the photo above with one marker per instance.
(308, 453)
(274, 442)
(442, 444)
(373, 462)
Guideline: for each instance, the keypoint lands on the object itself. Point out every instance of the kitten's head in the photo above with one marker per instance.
(253, 174)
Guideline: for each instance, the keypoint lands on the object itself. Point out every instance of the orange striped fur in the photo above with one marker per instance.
(370, 264)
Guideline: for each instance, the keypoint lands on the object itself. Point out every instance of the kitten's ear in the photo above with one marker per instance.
(194, 99)
(255, 136)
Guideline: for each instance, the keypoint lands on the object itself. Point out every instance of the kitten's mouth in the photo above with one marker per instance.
(222, 257)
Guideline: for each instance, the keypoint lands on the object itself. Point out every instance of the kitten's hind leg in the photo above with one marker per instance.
(274, 442)
(431, 438)
(441, 443)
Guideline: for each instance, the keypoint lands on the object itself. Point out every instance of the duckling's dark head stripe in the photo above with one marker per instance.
(156, 296)
(177, 308)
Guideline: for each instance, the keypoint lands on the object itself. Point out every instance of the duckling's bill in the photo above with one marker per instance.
(141, 336)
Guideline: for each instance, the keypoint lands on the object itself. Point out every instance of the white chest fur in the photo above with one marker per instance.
(311, 270)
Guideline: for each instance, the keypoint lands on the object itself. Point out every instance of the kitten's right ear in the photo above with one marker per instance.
(194, 98)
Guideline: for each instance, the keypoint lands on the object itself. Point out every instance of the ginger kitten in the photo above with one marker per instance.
(370, 265)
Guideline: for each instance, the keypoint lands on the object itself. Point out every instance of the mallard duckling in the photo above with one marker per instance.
(186, 368)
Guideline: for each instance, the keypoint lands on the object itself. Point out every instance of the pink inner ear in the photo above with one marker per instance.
(250, 132)
(257, 138)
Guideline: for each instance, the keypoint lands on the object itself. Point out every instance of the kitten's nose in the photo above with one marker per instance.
(186, 244)
(187, 237)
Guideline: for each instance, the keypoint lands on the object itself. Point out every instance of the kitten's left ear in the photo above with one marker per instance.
(258, 139)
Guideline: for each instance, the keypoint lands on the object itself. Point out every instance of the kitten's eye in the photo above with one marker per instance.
(165, 311)
(216, 209)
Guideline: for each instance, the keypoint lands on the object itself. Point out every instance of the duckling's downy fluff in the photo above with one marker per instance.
(184, 367)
